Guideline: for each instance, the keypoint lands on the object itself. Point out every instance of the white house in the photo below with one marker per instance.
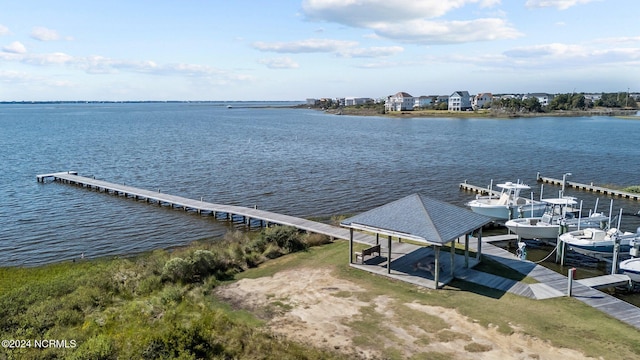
(543, 98)
(481, 99)
(399, 102)
(459, 101)
(352, 101)
(423, 101)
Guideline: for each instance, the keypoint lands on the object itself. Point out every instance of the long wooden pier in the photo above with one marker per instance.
(551, 284)
(229, 212)
(589, 187)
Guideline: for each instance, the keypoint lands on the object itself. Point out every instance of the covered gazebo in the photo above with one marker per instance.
(424, 221)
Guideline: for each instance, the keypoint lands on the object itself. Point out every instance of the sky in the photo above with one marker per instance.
(292, 50)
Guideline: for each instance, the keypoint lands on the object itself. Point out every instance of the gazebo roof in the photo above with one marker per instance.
(420, 218)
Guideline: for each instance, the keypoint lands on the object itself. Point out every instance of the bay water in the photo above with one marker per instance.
(299, 162)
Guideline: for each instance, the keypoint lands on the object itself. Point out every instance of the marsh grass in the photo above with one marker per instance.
(122, 308)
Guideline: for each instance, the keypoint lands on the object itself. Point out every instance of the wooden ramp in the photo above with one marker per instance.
(606, 281)
(608, 304)
(199, 206)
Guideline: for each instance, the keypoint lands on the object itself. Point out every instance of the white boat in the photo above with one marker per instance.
(631, 268)
(558, 211)
(597, 242)
(507, 205)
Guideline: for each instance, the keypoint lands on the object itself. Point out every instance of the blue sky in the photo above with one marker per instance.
(292, 50)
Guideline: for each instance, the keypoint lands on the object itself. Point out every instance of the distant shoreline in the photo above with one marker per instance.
(353, 111)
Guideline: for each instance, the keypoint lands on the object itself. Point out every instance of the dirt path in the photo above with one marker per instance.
(312, 306)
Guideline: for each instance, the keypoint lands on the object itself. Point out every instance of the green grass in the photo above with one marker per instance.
(123, 308)
(564, 322)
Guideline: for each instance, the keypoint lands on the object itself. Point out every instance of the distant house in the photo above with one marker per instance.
(480, 100)
(459, 101)
(543, 98)
(352, 101)
(423, 101)
(399, 102)
(442, 99)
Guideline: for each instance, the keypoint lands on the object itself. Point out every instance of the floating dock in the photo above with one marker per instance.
(227, 212)
(589, 187)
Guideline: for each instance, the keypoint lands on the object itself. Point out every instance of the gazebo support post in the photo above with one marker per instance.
(350, 245)
(436, 275)
(389, 255)
(377, 239)
(479, 254)
(466, 251)
(453, 256)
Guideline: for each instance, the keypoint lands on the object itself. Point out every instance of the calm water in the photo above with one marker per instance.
(298, 162)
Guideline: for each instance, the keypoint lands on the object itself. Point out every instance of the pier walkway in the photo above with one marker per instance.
(548, 278)
(551, 284)
(203, 207)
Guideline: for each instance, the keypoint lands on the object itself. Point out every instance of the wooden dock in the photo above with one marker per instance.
(589, 187)
(548, 278)
(551, 284)
(606, 281)
(228, 212)
(478, 189)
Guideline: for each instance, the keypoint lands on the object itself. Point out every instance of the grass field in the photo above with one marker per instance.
(140, 308)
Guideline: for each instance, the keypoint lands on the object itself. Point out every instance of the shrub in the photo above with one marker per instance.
(177, 269)
(316, 239)
(96, 348)
(286, 237)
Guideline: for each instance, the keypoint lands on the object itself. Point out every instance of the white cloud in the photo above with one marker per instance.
(3, 30)
(413, 22)
(360, 13)
(279, 63)
(372, 52)
(305, 46)
(44, 34)
(447, 32)
(554, 49)
(15, 47)
(559, 4)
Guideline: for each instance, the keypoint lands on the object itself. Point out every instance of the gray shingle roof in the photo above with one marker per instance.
(430, 220)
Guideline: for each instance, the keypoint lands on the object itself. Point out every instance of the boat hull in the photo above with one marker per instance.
(532, 228)
(505, 212)
(631, 268)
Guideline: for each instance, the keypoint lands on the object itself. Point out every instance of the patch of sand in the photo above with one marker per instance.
(314, 307)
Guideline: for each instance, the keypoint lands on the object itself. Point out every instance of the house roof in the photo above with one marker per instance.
(403, 94)
(461, 94)
(419, 218)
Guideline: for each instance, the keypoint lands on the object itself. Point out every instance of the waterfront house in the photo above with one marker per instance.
(423, 102)
(459, 101)
(543, 98)
(352, 101)
(480, 100)
(399, 102)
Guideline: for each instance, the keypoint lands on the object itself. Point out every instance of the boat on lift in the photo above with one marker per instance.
(559, 211)
(508, 205)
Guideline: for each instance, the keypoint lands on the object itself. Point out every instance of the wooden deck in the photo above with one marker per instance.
(203, 207)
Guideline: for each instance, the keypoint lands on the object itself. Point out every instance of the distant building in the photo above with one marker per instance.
(459, 101)
(481, 99)
(543, 98)
(352, 101)
(401, 101)
(423, 101)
